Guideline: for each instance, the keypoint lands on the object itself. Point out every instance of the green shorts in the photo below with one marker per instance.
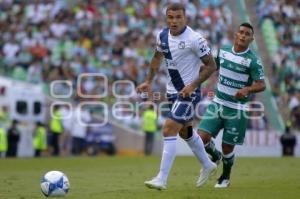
(233, 121)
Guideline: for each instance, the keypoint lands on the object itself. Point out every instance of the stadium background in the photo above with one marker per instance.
(66, 52)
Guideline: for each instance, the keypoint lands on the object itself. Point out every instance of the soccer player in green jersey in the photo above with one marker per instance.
(240, 74)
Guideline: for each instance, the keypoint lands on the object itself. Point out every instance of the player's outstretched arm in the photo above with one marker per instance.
(154, 66)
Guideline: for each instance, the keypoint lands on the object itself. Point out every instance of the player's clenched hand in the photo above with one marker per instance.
(242, 93)
(187, 91)
(143, 88)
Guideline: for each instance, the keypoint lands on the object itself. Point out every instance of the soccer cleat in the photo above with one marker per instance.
(205, 174)
(156, 183)
(222, 183)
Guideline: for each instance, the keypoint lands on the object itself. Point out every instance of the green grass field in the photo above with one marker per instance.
(123, 177)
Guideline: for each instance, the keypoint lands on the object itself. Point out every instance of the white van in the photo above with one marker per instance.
(25, 102)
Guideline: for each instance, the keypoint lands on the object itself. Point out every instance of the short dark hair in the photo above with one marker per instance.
(176, 6)
(248, 25)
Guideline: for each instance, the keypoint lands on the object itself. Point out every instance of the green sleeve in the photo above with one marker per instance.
(256, 70)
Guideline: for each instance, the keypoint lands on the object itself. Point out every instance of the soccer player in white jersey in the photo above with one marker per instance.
(183, 51)
(240, 74)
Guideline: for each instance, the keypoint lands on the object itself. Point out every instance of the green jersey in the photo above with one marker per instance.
(236, 71)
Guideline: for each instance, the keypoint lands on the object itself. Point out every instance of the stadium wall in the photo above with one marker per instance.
(132, 142)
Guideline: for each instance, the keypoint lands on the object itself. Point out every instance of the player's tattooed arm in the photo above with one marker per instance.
(207, 69)
(154, 66)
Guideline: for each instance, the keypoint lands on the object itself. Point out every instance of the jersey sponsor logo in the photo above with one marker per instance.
(181, 45)
(231, 83)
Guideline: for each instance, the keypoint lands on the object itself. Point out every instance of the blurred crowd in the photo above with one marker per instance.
(43, 41)
(285, 81)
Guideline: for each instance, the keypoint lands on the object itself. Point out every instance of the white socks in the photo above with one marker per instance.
(196, 144)
(169, 153)
(168, 156)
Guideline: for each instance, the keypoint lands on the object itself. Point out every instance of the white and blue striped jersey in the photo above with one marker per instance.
(182, 55)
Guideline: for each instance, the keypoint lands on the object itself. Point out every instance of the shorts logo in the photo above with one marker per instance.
(181, 45)
(232, 131)
(235, 138)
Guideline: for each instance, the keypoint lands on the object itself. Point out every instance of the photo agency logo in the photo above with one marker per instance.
(90, 89)
(94, 90)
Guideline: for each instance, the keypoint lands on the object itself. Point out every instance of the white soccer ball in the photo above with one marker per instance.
(55, 184)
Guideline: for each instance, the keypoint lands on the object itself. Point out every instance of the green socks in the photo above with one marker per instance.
(228, 161)
(216, 155)
(210, 148)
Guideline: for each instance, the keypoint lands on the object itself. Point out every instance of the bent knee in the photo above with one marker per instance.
(171, 128)
(186, 132)
(227, 148)
(168, 131)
